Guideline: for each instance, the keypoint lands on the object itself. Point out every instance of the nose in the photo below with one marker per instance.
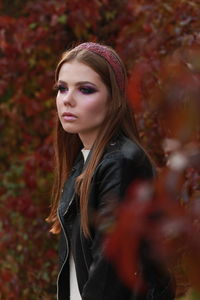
(68, 98)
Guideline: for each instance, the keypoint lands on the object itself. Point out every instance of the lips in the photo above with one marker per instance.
(69, 116)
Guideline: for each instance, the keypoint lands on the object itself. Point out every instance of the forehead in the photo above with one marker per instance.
(77, 71)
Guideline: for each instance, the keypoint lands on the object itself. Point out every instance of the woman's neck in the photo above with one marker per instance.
(88, 139)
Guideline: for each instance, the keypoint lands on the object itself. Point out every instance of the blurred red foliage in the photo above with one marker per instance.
(153, 38)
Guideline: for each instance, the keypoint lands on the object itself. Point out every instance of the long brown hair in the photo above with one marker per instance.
(119, 117)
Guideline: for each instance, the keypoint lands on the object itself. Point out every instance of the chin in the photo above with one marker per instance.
(70, 129)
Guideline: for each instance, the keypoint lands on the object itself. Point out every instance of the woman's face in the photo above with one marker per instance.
(81, 101)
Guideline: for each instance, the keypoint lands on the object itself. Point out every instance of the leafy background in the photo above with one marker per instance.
(33, 34)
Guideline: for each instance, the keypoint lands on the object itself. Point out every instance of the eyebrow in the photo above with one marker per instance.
(78, 83)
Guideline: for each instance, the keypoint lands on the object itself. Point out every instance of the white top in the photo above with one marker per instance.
(74, 291)
(85, 153)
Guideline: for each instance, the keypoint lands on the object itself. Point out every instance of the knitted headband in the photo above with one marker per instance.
(110, 57)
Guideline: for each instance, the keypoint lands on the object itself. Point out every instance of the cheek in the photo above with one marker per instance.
(96, 107)
(58, 108)
(58, 103)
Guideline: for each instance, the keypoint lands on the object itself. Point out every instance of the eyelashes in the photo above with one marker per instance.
(60, 88)
(85, 90)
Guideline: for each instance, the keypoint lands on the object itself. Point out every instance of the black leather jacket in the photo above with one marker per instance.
(123, 162)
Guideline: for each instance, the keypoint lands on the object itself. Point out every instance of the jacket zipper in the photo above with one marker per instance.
(66, 239)
(71, 200)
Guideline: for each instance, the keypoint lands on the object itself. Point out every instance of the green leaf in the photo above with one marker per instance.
(33, 25)
(62, 19)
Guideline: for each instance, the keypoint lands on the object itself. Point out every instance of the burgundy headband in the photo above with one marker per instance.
(109, 56)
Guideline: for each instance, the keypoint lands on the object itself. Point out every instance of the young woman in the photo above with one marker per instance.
(97, 156)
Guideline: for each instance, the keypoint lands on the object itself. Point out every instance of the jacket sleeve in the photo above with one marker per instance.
(111, 181)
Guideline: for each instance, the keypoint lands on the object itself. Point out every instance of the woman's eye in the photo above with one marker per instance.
(87, 90)
(61, 89)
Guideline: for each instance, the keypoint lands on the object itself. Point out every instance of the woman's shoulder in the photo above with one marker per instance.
(124, 160)
(122, 147)
(124, 156)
